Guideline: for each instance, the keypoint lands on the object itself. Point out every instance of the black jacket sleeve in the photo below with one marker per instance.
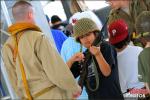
(75, 69)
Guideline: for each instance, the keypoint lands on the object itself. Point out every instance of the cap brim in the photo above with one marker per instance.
(117, 39)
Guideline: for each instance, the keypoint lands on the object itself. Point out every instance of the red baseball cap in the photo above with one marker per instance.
(118, 31)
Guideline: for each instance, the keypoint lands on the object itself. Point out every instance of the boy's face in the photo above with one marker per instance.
(87, 39)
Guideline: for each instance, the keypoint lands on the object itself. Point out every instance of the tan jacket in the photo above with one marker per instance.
(43, 67)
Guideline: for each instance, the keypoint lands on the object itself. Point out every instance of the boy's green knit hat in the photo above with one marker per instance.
(84, 26)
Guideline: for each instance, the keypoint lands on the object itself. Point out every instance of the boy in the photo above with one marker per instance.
(143, 29)
(102, 80)
(127, 55)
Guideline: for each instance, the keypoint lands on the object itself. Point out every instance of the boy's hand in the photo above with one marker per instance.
(78, 93)
(95, 50)
(78, 57)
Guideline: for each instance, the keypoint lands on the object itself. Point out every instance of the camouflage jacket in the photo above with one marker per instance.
(135, 8)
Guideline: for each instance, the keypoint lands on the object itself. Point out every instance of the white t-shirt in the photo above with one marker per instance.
(128, 68)
(86, 14)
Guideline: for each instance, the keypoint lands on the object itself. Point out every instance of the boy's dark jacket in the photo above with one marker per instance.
(111, 82)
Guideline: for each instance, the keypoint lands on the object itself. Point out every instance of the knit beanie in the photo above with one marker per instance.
(84, 26)
(143, 22)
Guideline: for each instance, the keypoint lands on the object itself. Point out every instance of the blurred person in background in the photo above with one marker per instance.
(58, 36)
(128, 10)
(57, 23)
(127, 56)
(143, 30)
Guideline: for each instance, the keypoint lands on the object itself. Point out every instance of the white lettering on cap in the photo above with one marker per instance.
(114, 32)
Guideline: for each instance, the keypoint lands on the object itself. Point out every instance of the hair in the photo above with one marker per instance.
(78, 38)
(55, 19)
(122, 43)
(20, 9)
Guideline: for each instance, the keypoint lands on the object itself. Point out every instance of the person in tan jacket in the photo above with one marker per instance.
(47, 76)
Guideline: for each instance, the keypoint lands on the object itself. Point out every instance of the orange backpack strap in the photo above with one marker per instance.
(15, 52)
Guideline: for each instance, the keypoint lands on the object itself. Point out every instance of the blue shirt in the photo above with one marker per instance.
(69, 48)
(59, 38)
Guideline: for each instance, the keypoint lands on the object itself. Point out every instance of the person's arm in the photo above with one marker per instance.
(73, 64)
(142, 76)
(7, 57)
(56, 70)
(103, 65)
(70, 63)
(66, 54)
(147, 87)
(76, 57)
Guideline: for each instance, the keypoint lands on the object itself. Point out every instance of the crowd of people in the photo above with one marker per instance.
(113, 69)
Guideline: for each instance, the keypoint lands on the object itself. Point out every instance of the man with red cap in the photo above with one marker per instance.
(127, 55)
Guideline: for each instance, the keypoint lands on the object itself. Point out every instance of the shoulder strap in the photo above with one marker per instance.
(23, 75)
(96, 77)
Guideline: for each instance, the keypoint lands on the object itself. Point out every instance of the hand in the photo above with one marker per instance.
(78, 93)
(147, 87)
(95, 50)
(78, 57)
